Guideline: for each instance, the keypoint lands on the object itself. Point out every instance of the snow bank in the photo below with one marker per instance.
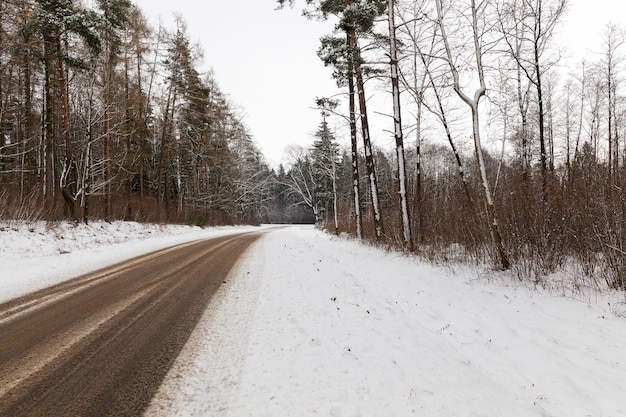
(313, 325)
(37, 255)
(308, 324)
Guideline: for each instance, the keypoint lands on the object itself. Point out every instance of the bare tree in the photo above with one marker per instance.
(414, 77)
(473, 104)
(528, 27)
(397, 121)
(614, 38)
(301, 179)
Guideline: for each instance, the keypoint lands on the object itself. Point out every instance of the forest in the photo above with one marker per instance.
(516, 157)
(502, 154)
(103, 116)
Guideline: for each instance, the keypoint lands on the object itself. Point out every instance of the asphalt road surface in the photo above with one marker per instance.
(100, 345)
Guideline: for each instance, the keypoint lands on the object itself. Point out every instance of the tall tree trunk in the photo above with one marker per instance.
(142, 144)
(28, 105)
(494, 228)
(417, 204)
(473, 105)
(107, 126)
(581, 111)
(367, 143)
(164, 158)
(397, 121)
(49, 142)
(542, 128)
(568, 134)
(162, 183)
(356, 188)
(68, 177)
(522, 102)
(335, 197)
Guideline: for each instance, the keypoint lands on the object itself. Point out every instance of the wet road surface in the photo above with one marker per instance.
(100, 345)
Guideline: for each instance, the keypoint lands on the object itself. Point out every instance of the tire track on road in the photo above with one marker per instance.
(101, 344)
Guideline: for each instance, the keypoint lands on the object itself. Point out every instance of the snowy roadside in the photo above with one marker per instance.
(313, 325)
(308, 324)
(36, 256)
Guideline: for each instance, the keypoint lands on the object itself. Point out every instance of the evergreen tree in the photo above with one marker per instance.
(324, 157)
(355, 18)
(54, 22)
(114, 16)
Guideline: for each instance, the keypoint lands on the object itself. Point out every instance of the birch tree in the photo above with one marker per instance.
(397, 122)
(426, 79)
(477, 40)
(533, 26)
(613, 39)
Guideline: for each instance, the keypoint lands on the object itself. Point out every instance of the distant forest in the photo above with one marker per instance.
(501, 155)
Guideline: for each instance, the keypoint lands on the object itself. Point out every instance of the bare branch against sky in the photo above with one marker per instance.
(265, 59)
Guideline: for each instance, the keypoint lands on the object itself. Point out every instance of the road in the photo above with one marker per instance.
(101, 344)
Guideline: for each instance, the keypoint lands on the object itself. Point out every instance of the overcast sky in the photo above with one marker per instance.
(265, 59)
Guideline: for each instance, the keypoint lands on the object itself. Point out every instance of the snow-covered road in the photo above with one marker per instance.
(309, 324)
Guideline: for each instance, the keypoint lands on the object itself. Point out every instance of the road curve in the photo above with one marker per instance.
(101, 344)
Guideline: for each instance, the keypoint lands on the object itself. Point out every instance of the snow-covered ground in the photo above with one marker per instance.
(37, 255)
(313, 325)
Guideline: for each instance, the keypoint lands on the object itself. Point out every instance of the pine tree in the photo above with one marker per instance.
(355, 18)
(114, 16)
(324, 156)
(53, 22)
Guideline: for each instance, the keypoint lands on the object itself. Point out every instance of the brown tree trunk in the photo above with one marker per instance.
(68, 177)
(49, 137)
(367, 144)
(107, 129)
(354, 152)
(395, 87)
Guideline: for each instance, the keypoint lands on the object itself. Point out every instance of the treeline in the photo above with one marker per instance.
(514, 160)
(103, 116)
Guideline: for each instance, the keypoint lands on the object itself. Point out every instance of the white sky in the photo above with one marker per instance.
(584, 24)
(266, 61)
